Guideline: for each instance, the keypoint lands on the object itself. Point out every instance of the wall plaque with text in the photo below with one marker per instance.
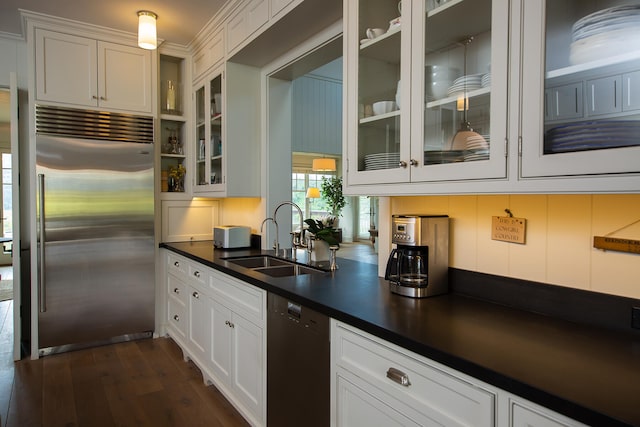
(508, 229)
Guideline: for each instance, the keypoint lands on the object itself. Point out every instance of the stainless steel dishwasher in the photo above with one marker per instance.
(298, 351)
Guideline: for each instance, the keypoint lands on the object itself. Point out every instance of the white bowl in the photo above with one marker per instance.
(383, 107)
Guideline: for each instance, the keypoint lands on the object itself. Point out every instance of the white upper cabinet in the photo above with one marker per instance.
(90, 73)
(226, 147)
(580, 108)
(426, 90)
(247, 20)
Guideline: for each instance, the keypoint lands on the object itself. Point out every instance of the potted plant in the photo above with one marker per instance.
(322, 231)
(332, 194)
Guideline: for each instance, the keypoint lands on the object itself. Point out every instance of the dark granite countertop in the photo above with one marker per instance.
(587, 373)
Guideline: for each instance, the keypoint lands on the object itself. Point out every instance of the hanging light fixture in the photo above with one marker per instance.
(459, 140)
(313, 193)
(323, 165)
(147, 38)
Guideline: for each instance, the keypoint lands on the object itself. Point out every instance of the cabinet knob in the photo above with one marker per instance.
(176, 264)
(413, 162)
(398, 376)
(402, 164)
(229, 324)
(94, 97)
(197, 274)
(196, 295)
(102, 98)
(176, 318)
(176, 291)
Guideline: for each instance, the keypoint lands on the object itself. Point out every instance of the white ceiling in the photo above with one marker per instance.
(178, 20)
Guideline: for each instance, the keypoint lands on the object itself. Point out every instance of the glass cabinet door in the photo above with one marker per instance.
(460, 121)
(215, 125)
(209, 135)
(424, 71)
(581, 101)
(200, 137)
(380, 40)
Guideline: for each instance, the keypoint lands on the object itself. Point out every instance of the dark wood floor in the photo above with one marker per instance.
(140, 383)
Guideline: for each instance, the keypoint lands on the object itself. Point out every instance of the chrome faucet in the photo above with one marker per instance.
(275, 243)
(297, 241)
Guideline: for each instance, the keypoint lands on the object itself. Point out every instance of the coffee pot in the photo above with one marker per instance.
(418, 265)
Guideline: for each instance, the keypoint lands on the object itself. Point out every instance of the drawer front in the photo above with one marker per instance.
(241, 297)
(438, 394)
(176, 289)
(198, 274)
(176, 265)
(176, 314)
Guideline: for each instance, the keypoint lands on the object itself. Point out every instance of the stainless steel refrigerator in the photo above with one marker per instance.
(95, 217)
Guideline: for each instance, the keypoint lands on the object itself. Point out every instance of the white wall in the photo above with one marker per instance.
(559, 240)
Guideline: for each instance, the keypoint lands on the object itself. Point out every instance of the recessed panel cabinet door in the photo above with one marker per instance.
(248, 363)
(65, 68)
(124, 78)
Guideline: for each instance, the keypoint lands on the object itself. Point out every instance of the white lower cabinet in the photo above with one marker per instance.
(527, 414)
(199, 329)
(219, 322)
(377, 383)
(404, 388)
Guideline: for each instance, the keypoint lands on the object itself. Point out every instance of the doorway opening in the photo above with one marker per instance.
(304, 113)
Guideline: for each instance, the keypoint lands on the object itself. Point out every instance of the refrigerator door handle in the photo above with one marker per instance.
(42, 293)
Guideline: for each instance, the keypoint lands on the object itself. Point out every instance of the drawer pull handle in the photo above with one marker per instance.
(398, 376)
(176, 291)
(196, 295)
(176, 264)
(176, 318)
(197, 274)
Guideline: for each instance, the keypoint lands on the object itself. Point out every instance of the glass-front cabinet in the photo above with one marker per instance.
(423, 107)
(208, 141)
(580, 109)
(226, 141)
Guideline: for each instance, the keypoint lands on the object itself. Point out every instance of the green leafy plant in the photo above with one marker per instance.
(332, 194)
(321, 232)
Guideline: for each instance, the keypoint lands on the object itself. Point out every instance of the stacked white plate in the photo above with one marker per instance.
(592, 135)
(486, 80)
(466, 83)
(441, 157)
(608, 32)
(381, 161)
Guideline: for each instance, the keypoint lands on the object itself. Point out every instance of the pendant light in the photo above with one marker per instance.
(147, 38)
(459, 140)
(323, 165)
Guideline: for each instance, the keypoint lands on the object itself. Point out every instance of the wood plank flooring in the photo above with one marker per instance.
(139, 383)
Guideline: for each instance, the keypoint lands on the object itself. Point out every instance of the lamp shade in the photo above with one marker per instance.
(147, 38)
(313, 193)
(324, 164)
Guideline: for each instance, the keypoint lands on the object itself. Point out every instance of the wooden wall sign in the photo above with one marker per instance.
(508, 229)
(616, 244)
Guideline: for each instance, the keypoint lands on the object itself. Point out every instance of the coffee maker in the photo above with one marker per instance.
(418, 265)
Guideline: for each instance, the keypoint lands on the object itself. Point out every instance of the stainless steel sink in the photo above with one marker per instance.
(272, 266)
(257, 261)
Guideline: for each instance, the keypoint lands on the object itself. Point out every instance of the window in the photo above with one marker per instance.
(7, 222)
(301, 182)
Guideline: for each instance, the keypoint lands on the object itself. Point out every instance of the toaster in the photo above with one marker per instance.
(231, 236)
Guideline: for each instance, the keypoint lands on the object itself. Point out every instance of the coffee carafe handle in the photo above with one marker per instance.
(392, 256)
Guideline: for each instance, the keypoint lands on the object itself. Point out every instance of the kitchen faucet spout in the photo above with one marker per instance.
(297, 239)
(275, 245)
